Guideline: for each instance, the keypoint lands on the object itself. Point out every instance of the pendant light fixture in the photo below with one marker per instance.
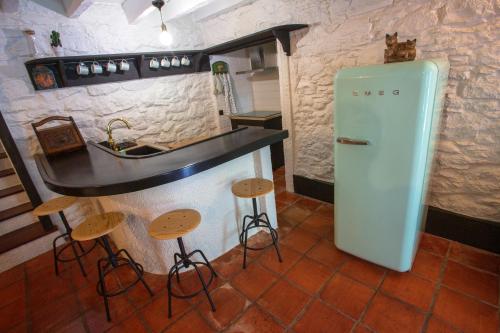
(165, 36)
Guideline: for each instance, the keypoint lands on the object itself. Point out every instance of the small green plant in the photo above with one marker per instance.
(55, 39)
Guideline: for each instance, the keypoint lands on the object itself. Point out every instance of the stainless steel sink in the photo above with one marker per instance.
(142, 151)
(121, 146)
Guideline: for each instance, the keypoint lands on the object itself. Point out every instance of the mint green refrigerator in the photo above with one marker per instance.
(386, 120)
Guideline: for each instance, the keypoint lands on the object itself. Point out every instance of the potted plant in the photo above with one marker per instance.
(55, 42)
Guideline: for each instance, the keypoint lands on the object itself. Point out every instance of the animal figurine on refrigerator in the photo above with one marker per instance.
(397, 52)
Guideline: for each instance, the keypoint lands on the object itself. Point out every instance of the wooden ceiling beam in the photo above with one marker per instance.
(135, 10)
(75, 8)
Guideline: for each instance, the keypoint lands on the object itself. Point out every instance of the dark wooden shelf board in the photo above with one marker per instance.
(15, 211)
(23, 235)
(11, 190)
(7, 172)
(64, 68)
(282, 33)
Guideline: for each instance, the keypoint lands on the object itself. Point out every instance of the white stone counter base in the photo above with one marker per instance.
(208, 192)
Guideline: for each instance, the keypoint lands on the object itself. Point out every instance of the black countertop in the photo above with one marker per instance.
(96, 172)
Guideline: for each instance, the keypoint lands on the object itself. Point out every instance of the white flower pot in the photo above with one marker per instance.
(58, 51)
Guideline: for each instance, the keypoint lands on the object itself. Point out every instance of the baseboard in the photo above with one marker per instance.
(313, 188)
(472, 231)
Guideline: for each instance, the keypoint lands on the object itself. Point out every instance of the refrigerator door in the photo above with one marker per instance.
(382, 122)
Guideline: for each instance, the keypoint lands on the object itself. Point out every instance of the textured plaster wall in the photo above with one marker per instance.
(160, 110)
(351, 33)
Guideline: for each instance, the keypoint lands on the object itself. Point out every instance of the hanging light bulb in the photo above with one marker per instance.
(165, 36)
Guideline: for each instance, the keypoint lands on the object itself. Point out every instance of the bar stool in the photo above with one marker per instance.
(254, 188)
(98, 227)
(57, 205)
(176, 224)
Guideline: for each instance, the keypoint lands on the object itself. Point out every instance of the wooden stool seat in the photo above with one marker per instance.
(174, 224)
(98, 225)
(252, 187)
(54, 206)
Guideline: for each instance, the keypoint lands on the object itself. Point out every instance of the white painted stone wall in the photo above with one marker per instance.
(342, 33)
(164, 109)
(346, 33)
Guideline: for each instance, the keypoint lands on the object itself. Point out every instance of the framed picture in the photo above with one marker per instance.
(60, 138)
(43, 77)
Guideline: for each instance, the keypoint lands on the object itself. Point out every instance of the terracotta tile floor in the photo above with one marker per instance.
(318, 288)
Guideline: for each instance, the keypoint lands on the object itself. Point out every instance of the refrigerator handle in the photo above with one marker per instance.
(347, 141)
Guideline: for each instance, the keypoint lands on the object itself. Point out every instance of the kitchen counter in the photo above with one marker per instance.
(267, 120)
(96, 172)
(256, 115)
(198, 176)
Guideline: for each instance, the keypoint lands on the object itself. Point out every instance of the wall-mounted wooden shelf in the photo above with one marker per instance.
(62, 70)
(282, 33)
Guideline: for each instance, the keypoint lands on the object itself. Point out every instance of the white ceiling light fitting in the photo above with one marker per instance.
(165, 36)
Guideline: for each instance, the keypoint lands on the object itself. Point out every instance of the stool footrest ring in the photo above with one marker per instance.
(122, 262)
(182, 260)
(208, 283)
(74, 246)
(111, 262)
(74, 257)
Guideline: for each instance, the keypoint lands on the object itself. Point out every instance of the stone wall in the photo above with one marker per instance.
(342, 33)
(346, 33)
(160, 110)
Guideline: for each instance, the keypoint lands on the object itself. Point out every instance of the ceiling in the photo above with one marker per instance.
(136, 10)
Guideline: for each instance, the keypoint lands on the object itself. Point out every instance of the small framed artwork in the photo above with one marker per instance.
(60, 138)
(43, 77)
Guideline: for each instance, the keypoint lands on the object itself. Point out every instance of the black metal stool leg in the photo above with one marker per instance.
(109, 251)
(205, 259)
(54, 248)
(103, 288)
(169, 288)
(134, 266)
(245, 248)
(69, 229)
(77, 256)
(81, 247)
(212, 305)
(275, 242)
(244, 226)
(274, 236)
(176, 262)
(255, 213)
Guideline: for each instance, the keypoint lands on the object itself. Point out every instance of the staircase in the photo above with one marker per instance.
(21, 235)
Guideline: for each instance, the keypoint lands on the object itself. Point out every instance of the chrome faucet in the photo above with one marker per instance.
(109, 131)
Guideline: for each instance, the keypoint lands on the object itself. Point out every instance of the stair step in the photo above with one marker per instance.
(17, 222)
(5, 164)
(11, 190)
(15, 211)
(9, 181)
(7, 172)
(13, 200)
(3, 155)
(22, 236)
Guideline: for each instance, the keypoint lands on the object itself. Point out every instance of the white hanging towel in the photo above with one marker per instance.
(228, 93)
(218, 86)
